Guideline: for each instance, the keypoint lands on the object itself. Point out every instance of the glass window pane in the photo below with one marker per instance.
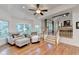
(24, 28)
(3, 29)
(20, 27)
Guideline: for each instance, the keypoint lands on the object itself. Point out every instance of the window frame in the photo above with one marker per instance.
(7, 24)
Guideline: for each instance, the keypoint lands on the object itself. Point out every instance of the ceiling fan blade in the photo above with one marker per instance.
(41, 13)
(34, 13)
(45, 10)
(32, 10)
(37, 5)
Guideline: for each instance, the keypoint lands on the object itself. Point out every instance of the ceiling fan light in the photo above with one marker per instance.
(64, 15)
(38, 11)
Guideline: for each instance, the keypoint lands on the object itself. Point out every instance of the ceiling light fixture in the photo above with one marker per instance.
(65, 14)
(38, 11)
(23, 6)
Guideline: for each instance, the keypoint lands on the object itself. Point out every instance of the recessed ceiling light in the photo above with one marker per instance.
(23, 6)
(64, 15)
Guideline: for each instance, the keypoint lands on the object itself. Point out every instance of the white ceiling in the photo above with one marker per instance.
(17, 10)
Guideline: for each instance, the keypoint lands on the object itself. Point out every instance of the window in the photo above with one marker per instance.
(37, 28)
(24, 28)
(50, 26)
(20, 27)
(3, 29)
(28, 29)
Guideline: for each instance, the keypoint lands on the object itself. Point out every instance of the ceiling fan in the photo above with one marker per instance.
(38, 10)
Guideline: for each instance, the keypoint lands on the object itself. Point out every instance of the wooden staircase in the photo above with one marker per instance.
(53, 39)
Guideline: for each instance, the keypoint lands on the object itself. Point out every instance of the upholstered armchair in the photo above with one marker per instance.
(34, 37)
(11, 39)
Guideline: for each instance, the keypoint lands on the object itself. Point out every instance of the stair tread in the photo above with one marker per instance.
(50, 39)
(51, 42)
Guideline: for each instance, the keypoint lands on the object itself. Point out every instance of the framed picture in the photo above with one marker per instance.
(77, 25)
(67, 23)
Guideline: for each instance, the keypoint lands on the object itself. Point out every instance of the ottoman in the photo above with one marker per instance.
(21, 42)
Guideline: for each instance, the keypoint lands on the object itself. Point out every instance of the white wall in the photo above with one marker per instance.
(75, 18)
(37, 22)
(3, 16)
(12, 23)
(61, 19)
(75, 40)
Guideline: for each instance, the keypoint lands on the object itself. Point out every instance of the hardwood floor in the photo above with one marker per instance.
(42, 48)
